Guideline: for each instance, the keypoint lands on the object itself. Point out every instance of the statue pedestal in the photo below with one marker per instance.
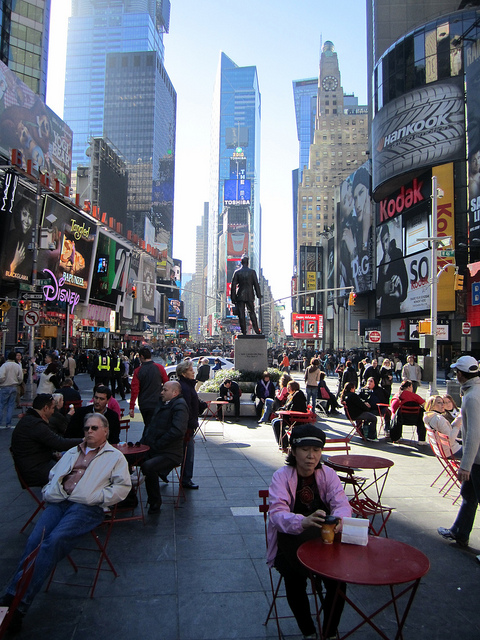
(251, 353)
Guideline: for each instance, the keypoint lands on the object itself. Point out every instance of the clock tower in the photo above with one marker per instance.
(330, 92)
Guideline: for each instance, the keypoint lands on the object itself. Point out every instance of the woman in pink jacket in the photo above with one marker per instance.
(301, 495)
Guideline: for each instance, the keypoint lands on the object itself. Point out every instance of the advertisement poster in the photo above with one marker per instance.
(419, 129)
(305, 326)
(17, 215)
(355, 237)
(67, 245)
(110, 271)
(31, 127)
(472, 73)
(146, 286)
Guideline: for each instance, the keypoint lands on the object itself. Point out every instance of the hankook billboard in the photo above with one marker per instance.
(417, 130)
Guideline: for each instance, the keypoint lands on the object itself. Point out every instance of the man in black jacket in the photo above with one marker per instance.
(230, 391)
(101, 397)
(34, 443)
(164, 435)
(146, 385)
(186, 377)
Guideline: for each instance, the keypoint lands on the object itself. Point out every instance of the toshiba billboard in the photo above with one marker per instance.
(422, 128)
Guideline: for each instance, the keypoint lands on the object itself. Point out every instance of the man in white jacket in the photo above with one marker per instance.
(88, 478)
(11, 375)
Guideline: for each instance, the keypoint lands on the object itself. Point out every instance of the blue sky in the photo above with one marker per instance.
(282, 38)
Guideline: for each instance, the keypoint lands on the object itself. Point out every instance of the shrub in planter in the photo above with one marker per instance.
(213, 385)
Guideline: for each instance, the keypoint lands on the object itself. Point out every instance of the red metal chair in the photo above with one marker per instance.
(356, 425)
(125, 425)
(275, 585)
(6, 613)
(39, 501)
(440, 446)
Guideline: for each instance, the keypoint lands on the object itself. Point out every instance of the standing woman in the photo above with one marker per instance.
(386, 377)
(302, 494)
(186, 378)
(312, 378)
(203, 373)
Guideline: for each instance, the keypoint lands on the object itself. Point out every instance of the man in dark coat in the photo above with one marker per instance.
(164, 435)
(34, 443)
(244, 287)
(186, 377)
(230, 391)
(101, 397)
(349, 375)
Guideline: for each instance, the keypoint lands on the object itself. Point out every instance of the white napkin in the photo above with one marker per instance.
(355, 531)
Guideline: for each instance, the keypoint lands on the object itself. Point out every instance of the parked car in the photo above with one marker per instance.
(171, 369)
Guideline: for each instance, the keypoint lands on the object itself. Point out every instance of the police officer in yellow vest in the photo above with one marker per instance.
(102, 370)
(117, 371)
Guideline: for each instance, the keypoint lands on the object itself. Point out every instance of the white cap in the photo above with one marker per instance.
(467, 364)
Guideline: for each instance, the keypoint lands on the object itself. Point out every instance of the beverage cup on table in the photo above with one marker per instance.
(328, 529)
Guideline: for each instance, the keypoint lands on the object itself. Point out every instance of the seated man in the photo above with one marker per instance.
(34, 443)
(230, 391)
(68, 392)
(375, 395)
(86, 480)
(100, 400)
(164, 435)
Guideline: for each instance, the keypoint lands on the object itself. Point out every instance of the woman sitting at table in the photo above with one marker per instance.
(274, 404)
(301, 495)
(434, 418)
(263, 389)
(375, 396)
(296, 401)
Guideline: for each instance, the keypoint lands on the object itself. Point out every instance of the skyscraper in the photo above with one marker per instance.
(24, 29)
(305, 98)
(235, 213)
(97, 28)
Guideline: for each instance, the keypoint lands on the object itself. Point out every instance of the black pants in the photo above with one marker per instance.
(157, 465)
(117, 384)
(295, 577)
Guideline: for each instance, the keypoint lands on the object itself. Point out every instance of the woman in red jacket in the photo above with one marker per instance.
(406, 396)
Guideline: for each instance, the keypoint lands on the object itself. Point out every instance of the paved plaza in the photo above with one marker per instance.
(198, 572)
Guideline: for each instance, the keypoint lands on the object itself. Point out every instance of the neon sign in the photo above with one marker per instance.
(56, 292)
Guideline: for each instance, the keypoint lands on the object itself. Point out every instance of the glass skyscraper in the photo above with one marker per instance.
(97, 28)
(305, 98)
(24, 29)
(235, 213)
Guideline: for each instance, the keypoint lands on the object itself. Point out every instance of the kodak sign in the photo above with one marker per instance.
(408, 196)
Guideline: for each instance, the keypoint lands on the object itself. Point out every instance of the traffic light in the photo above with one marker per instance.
(134, 291)
(458, 286)
(21, 305)
(351, 298)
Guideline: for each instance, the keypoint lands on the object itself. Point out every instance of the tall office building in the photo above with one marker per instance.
(97, 28)
(339, 147)
(117, 87)
(24, 30)
(235, 213)
(305, 99)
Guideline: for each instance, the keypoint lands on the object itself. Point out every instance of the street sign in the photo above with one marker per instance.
(31, 318)
(466, 328)
(5, 306)
(32, 296)
(279, 307)
(446, 253)
(26, 287)
(374, 336)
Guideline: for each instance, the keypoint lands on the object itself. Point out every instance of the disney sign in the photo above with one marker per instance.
(57, 292)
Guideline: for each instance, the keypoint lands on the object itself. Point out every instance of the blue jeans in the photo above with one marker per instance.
(470, 493)
(312, 393)
(267, 410)
(7, 403)
(64, 523)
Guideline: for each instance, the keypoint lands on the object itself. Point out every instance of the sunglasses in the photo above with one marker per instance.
(130, 444)
(91, 428)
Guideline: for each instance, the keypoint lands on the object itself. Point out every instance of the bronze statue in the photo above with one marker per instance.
(244, 287)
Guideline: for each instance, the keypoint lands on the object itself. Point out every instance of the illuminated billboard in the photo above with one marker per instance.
(472, 73)
(110, 271)
(307, 326)
(31, 127)
(237, 192)
(67, 245)
(17, 210)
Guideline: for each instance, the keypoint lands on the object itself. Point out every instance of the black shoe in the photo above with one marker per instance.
(189, 485)
(163, 478)
(449, 535)
(155, 507)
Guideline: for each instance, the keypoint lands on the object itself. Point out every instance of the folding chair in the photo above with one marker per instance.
(39, 502)
(178, 469)
(356, 425)
(100, 547)
(125, 424)
(6, 613)
(276, 584)
(440, 446)
(410, 414)
(383, 410)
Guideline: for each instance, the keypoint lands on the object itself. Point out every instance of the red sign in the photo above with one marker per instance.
(307, 325)
(374, 336)
(466, 328)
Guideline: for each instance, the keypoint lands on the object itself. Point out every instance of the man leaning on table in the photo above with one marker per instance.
(87, 479)
(467, 371)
